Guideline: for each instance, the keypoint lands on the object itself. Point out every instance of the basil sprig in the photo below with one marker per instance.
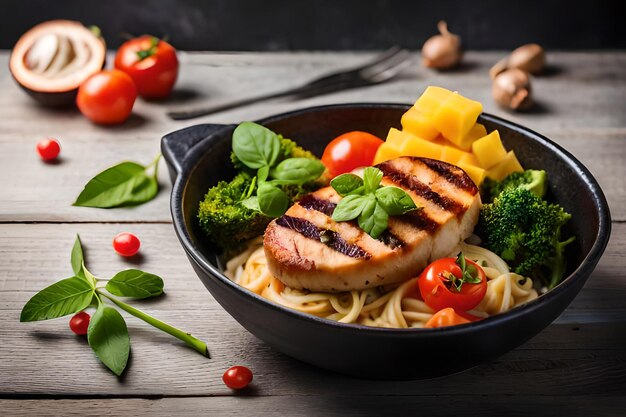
(469, 274)
(258, 148)
(124, 184)
(107, 333)
(366, 200)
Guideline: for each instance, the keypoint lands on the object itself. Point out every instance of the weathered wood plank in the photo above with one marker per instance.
(585, 345)
(585, 101)
(304, 405)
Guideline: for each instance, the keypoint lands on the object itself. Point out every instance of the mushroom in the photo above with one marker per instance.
(442, 51)
(511, 89)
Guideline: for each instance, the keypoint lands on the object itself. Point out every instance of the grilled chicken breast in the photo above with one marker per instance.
(306, 249)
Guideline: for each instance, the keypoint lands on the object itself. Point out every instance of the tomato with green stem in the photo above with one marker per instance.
(350, 151)
(458, 283)
(151, 63)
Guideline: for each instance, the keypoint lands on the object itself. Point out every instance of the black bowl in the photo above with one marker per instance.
(198, 157)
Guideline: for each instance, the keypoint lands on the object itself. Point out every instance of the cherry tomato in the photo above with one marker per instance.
(126, 244)
(349, 151)
(79, 323)
(48, 149)
(445, 317)
(237, 377)
(151, 63)
(439, 292)
(107, 97)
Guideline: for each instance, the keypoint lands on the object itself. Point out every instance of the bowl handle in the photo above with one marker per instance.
(176, 145)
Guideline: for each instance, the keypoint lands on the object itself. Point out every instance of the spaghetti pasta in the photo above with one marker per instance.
(396, 307)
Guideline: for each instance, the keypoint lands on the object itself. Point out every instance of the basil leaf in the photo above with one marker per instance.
(344, 184)
(371, 179)
(374, 219)
(262, 174)
(255, 146)
(273, 202)
(394, 200)
(135, 283)
(299, 170)
(108, 337)
(252, 203)
(77, 257)
(124, 184)
(349, 208)
(67, 296)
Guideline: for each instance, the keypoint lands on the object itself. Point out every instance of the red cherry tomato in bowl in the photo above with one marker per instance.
(151, 63)
(237, 377)
(349, 151)
(438, 285)
(107, 97)
(126, 244)
(79, 323)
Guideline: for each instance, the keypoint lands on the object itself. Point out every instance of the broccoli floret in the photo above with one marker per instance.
(288, 149)
(226, 221)
(532, 180)
(525, 231)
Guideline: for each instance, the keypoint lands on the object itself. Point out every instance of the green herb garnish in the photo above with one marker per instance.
(366, 200)
(107, 333)
(258, 148)
(124, 184)
(469, 274)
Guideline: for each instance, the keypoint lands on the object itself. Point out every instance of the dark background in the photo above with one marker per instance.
(274, 25)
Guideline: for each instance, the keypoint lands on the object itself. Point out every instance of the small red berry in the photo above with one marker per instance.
(126, 244)
(237, 377)
(48, 149)
(80, 323)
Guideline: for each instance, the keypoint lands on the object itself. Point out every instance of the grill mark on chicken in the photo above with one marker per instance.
(312, 202)
(452, 175)
(419, 220)
(410, 182)
(328, 237)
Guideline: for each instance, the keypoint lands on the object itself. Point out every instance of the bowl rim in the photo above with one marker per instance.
(582, 272)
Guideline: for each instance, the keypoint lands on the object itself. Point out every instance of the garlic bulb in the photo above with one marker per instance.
(442, 51)
(511, 89)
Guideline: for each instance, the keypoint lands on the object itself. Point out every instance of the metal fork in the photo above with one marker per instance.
(382, 68)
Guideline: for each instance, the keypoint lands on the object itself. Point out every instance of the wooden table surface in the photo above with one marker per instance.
(576, 366)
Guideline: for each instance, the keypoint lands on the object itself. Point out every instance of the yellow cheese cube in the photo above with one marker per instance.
(489, 150)
(396, 138)
(477, 174)
(476, 132)
(469, 159)
(431, 99)
(415, 146)
(385, 152)
(419, 124)
(456, 116)
(507, 166)
(452, 155)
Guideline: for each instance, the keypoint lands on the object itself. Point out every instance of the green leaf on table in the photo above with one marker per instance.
(255, 146)
(124, 184)
(77, 257)
(345, 184)
(135, 283)
(67, 296)
(298, 170)
(273, 202)
(394, 200)
(108, 337)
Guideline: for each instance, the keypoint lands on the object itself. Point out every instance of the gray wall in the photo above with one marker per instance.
(333, 24)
